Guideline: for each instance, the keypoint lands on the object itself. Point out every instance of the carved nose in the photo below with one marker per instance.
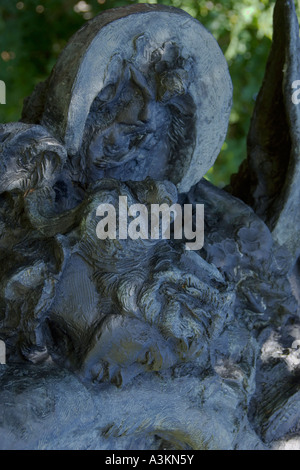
(112, 148)
(110, 140)
(111, 143)
(115, 142)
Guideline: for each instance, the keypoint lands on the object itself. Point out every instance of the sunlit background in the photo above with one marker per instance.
(33, 33)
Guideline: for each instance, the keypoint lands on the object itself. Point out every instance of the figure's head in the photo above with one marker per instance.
(30, 157)
(141, 91)
(143, 120)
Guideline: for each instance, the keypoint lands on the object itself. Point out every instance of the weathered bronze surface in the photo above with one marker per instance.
(141, 344)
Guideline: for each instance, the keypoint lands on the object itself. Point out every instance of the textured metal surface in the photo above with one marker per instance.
(140, 344)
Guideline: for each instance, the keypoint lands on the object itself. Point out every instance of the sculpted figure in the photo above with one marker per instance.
(152, 345)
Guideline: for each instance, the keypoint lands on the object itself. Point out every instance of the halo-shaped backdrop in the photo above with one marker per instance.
(135, 36)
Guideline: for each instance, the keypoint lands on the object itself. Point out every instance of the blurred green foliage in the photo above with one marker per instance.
(33, 33)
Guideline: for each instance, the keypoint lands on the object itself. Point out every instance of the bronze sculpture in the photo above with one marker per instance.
(157, 321)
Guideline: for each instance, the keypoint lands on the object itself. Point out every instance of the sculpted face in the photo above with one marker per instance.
(144, 118)
(135, 130)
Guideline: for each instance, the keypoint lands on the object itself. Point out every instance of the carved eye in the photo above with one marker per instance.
(137, 140)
